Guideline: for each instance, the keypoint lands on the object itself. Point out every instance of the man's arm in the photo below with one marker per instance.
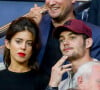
(37, 12)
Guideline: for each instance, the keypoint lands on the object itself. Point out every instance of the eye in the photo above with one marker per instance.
(29, 43)
(72, 37)
(61, 40)
(18, 41)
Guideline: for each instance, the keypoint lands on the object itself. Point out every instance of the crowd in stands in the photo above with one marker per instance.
(60, 37)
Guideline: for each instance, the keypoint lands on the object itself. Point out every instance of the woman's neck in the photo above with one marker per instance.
(18, 68)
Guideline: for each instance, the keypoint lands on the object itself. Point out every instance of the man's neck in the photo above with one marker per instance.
(61, 22)
(77, 63)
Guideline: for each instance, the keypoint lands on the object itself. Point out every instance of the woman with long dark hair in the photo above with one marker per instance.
(22, 44)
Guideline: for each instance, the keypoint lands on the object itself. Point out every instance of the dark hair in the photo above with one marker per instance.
(20, 25)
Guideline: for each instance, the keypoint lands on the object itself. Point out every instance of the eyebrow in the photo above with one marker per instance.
(71, 33)
(22, 39)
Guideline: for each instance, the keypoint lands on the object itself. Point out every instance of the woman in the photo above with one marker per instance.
(22, 45)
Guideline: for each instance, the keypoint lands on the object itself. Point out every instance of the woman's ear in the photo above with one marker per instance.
(7, 44)
(89, 42)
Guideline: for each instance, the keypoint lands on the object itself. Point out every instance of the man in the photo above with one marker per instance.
(75, 39)
(88, 76)
(59, 11)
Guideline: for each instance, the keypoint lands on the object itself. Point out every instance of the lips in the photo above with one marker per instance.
(67, 49)
(54, 8)
(21, 54)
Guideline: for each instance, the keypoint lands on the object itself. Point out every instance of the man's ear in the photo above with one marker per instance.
(89, 42)
(80, 82)
(7, 44)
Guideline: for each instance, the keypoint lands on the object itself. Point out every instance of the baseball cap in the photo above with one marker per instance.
(74, 25)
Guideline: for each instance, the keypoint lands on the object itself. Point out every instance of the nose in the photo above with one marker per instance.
(51, 2)
(66, 42)
(23, 46)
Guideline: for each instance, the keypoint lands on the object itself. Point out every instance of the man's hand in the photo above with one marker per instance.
(58, 70)
(36, 12)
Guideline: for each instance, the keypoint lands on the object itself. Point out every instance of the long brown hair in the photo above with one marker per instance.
(19, 25)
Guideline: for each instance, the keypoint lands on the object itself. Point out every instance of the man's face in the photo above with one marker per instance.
(93, 82)
(59, 8)
(72, 45)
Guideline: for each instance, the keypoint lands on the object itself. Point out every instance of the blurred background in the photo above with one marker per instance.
(11, 9)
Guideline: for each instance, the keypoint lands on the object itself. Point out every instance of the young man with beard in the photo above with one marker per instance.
(58, 12)
(75, 39)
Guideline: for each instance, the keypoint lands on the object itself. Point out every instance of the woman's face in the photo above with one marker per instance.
(20, 47)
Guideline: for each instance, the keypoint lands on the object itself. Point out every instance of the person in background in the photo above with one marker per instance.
(94, 12)
(88, 76)
(54, 14)
(75, 39)
(22, 44)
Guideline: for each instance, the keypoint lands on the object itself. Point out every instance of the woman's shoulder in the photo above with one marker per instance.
(3, 73)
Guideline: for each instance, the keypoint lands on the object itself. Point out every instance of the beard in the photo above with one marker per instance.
(62, 16)
(74, 55)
